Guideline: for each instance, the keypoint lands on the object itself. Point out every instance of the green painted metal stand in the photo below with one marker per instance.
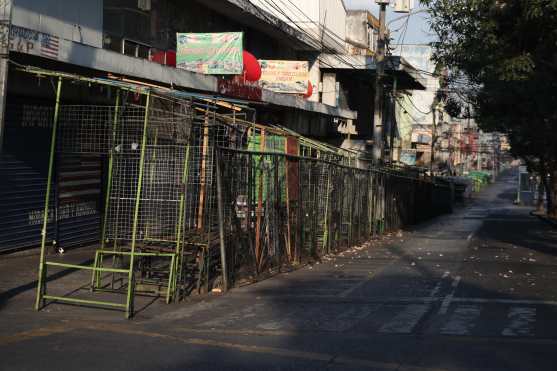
(41, 286)
(97, 268)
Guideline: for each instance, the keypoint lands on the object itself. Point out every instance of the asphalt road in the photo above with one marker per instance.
(474, 290)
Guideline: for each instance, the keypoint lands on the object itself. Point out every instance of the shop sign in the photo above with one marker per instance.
(284, 76)
(408, 157)
(210, 53)
(28, 41)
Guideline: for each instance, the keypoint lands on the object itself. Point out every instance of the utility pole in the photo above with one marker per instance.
(479, 151)
(378, 147)
(467, 142)
(393, 121)
(433, 136)
(5, 22)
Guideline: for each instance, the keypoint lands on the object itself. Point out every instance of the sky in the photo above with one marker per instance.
(418, 28)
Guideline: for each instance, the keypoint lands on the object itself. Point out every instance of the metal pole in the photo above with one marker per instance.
(98, 263)
(221, 224)
(393, 121)
(5, 21)
(129, 301)
(378, 101)
(41, 280)
(478, 152)
(433, 138)
(468, 144)
(181, 216)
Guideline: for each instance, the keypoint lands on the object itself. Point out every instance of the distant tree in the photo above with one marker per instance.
(507, 52)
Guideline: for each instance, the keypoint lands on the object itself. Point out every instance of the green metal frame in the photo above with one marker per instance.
(179, 227)
(41, 286)
(97, 268)
(131, 281)
(96, 276)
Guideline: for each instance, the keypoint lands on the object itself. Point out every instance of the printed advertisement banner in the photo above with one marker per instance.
(284, 76)
(210, 53)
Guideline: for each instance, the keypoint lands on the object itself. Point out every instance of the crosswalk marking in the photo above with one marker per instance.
(449, 298)
(522, 321)
(405, 321)
(462, 320)
(437, 287)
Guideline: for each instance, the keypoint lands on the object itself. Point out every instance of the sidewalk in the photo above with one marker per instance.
(18, 281)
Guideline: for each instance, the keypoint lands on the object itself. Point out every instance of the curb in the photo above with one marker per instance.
(551, 222)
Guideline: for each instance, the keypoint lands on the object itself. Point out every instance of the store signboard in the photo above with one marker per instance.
(408, 157)
(28, 41)
(284, 76)
(210, 53)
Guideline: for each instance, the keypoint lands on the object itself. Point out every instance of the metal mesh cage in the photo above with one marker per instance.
(166, 135)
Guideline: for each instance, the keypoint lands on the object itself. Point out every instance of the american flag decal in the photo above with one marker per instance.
(49, 46)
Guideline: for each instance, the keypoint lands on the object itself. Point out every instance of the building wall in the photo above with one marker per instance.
(303, 13)
(414, 110)
(358, 95)
(321, 19)
(356, 29)
(362, 32)
(329, 93)
(332, 14)
(405, 122)
(79, 21)
(157, 28)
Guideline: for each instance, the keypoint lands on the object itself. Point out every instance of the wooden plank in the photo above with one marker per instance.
(202, 182)
(259, 210)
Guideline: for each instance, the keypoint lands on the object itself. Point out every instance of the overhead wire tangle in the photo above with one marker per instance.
(408, 15)
(339, 57)
(345, 59)
(417, 109)
(272, 4)
(434, 74)
(402, 35)
(275, 6)
(416, 121)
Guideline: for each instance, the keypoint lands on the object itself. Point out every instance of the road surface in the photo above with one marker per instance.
(474, 290)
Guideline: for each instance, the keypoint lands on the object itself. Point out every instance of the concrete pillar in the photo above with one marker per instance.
(5, 21)
(329, 94)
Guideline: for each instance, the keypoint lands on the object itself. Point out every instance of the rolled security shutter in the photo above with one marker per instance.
(23, 175)
(78, 199)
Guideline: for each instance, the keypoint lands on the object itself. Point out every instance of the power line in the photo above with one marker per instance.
(339, 57)
(417, 109)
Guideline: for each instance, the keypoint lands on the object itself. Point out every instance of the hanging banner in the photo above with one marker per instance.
(210, 53)
(284, 76)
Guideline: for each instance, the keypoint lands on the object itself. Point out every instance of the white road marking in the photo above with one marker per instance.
(405, 321)
(347, 319)
(462, 320)
(437, 287)
(355, 287)
(505, 301)
(522, 321)
(447, 301)
(245, 314)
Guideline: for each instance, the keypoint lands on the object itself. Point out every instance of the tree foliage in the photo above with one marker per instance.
(507, 51)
